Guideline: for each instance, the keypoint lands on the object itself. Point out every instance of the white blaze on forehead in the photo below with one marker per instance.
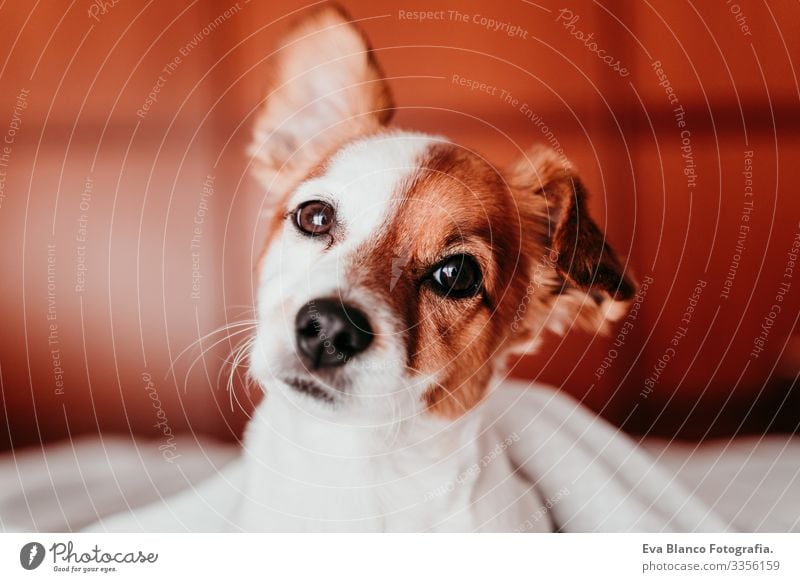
(363, 181)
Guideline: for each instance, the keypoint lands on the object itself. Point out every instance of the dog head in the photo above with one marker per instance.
(401, 269)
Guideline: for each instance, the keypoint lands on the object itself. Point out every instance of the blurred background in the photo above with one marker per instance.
(130, 227)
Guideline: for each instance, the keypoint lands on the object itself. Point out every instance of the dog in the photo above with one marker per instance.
(400, 273)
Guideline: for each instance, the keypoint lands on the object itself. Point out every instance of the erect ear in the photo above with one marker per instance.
(569, 253)
(325, 89)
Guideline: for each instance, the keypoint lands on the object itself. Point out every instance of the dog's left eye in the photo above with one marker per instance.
(314, 217)
(458, 276)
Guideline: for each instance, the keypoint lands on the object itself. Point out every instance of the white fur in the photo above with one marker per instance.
(299, 473)
(362, 182)
(342, 475)
(565, 469)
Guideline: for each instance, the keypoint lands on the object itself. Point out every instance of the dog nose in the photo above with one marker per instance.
(330, 332)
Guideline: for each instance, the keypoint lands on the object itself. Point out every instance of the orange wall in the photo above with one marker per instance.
(84, 78)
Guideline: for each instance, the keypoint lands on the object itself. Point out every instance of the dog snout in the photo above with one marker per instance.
(329, 333)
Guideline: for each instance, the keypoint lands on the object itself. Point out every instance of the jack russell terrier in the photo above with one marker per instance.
(399, 273)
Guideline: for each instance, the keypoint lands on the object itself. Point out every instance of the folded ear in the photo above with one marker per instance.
(571, 259)
(325, 89)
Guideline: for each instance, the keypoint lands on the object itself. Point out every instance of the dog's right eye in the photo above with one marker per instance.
(314, 217)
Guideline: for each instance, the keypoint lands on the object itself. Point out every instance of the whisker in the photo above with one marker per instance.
(247, 322)
(232, 354)
(241, 354)
(204, 351)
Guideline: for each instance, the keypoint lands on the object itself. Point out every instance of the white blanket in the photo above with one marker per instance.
(593, 477)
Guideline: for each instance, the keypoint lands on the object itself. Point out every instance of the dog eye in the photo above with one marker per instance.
(458, 276)
(314, 217)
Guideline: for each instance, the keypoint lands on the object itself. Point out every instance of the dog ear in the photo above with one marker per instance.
(325, 89)
(578, 277)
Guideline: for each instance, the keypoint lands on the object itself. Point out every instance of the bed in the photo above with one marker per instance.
(752, 483)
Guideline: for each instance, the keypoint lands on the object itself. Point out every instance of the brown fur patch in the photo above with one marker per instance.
(579, 248)
(584, 256)
(456, 203)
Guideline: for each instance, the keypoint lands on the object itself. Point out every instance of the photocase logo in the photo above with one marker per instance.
(399, 263)
(31, 555)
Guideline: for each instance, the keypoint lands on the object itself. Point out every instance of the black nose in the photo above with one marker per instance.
(330, 332)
